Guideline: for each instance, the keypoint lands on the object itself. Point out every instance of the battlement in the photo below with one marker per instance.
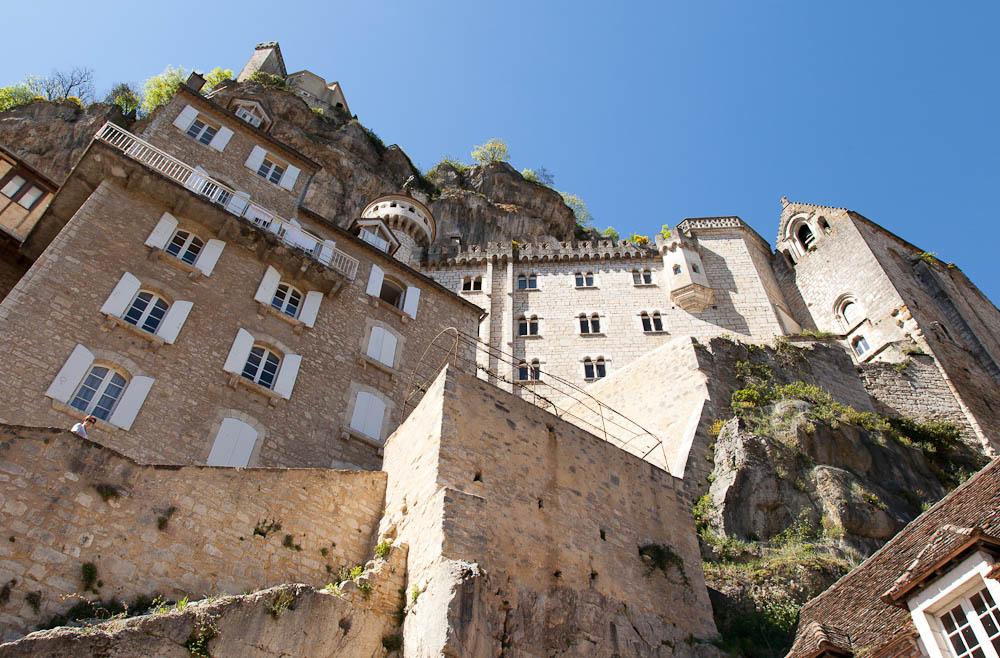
(540, 251)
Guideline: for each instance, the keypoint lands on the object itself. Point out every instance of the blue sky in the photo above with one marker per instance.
(693, 108)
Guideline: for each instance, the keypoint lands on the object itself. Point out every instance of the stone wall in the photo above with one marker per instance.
(67, 502)
(524, 534)
(191, 393)
(915, 389)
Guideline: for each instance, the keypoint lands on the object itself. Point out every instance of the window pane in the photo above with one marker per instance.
(646, 326)
(579, 280)
(195, 128)
(647, 277)
(30, 197)
(584, 325)
(588, 370)
(534, 327)
(595, 325)
(522, 328)
(135, 311)
(635, 276)
(590, 279)
(207, 135)
(12, 186)
(276, 173)
(600, 369)
(155, 316)
(253, 363)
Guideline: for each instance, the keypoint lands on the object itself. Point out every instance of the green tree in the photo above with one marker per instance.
(215, 77)
(665, 231)
(611, 232)
(125, 97)
(491, 152)
(159, 89)
(583, 217)
(20, 93)
(530, 175)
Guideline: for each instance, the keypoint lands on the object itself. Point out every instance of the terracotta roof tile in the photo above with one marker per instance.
(853, 603)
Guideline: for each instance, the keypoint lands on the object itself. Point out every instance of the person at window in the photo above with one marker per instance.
(80, 429)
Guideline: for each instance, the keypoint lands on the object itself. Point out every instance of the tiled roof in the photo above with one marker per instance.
(815, 638)
(853, 604)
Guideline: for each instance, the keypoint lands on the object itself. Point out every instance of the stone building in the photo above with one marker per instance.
(190, 297)
(25, 193)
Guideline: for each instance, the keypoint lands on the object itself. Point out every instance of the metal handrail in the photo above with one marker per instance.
(234, 202)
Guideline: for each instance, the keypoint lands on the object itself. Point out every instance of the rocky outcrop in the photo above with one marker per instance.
(52, 136)
(491, 203)
(797, 464)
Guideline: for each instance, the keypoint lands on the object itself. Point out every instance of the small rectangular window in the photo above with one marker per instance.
(201, 131)
(12, 186)
(271, 171)
(28, 198)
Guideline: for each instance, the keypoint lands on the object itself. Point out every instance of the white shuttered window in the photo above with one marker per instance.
(369, 412)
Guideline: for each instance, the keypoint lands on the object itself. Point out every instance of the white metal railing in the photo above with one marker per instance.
(238, 203)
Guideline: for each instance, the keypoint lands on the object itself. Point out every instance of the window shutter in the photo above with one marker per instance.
(239, 352)
(70, 375)
(286, 375)
(174, 320)
(288, 180)
(375, 281)
(233, 444)
(162, 232)
(186, 117)
(196, 181)
(388, 353)
(238, 204)
(411, 301)
(120, 298)
(256, 158)
(361, 406)
(310, 307)
(132, 399)
(209, 256)
(221, 139)
(375, 343)
(373, 422)
(268, 286)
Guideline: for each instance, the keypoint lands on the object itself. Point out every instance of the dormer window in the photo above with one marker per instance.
(251, 112)
(372, 238)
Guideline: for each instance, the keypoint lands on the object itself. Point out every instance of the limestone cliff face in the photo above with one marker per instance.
(855, 486)
(52, 136)
(488, 203)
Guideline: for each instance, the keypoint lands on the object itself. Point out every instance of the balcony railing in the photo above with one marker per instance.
(238, 203)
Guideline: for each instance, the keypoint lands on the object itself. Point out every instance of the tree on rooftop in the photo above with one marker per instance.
(215, 77)
(491, 152)
(159, 89)
(125, 97)
(583, 217)
(20, 93)
(78, 83)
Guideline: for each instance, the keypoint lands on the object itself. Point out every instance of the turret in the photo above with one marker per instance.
(685, 273)
(411, 223)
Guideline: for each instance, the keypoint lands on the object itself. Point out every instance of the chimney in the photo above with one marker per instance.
(196, 81)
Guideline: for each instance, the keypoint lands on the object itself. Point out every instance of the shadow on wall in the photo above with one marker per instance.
(723, 282)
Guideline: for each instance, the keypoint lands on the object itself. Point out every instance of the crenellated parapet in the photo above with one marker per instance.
(554, 251)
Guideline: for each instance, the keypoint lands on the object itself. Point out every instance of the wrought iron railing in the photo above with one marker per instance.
(235, 202)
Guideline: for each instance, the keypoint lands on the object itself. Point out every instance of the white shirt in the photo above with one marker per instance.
(80, 430)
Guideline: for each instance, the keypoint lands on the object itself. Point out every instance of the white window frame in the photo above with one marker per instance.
(123, 298)
(202, 131)
(960, 582)
(187, 118)
(144, 315)
(266, 354)
(368, 415)
(186, 243)
(239, 356)
(90, 407)
(73, 373)
(283, 297)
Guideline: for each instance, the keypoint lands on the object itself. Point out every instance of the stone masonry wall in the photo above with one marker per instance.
(914, 389)
(56, 519)
(191, 394)
(526, 534)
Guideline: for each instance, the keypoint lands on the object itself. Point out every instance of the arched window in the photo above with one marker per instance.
(527, 326)
(588, 368)
(647, 277)
(287, 299)
(805, 236)
(642, 278)
(647, 324)
(594, 369)
(146, 311)
(382, 346)
(472, 283)
(652, 322)
(391, 293)
(636, 277)
(601, 370)
(185, 246)
(860, 345)
(579, 279)
(527, 282)
(591, 325)
(369, 412)
(851, 313)
(99, 392)
(825, 225)
(529, 371)
(262, 366)
(588, 280)
(233, 444)
(532, 282)
(677, 270)
(657, 322)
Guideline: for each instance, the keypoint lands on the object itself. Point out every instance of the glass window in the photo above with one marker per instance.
(588, 368)
(647, 277)
(647, 324)
(271, 171)
(522, 326)
(12, 186)
(522, 282)
(860, 345)
(477, 283)
(262, 366)
(677, 269)
(201, 131)
(99, 393)
(467, 283)
(584, 324)
(185, 246)
(287, 300)
(523, 371)
(28, 198)
(636, 277)
(595, 324)
(248, 115)
(146, 311)
(657, 322)
(589, 279)
(579, 279)
(601, 371)
(532, 282)
(533, 325)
